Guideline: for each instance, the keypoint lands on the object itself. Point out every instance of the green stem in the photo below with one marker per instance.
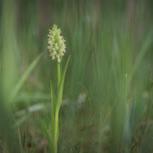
(55, 114)
(58, 74)
(56, 98)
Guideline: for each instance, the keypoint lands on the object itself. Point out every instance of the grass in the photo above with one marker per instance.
(106, 102)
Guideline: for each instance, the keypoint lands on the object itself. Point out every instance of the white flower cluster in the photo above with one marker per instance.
(56, 44)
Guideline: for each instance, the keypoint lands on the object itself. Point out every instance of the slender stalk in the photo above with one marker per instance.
(55, 112)
(58, 74)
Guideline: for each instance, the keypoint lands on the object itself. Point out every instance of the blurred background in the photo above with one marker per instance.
(108, 95)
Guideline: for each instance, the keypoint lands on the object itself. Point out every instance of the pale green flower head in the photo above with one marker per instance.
(56, 44)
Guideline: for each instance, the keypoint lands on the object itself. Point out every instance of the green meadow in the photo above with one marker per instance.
(76, 76)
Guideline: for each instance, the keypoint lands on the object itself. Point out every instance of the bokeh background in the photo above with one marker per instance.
(108, 95)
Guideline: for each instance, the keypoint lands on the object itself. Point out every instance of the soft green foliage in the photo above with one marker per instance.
(102, 102)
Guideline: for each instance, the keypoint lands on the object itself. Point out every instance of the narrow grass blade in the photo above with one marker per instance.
(24, 77)
(142, 53)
